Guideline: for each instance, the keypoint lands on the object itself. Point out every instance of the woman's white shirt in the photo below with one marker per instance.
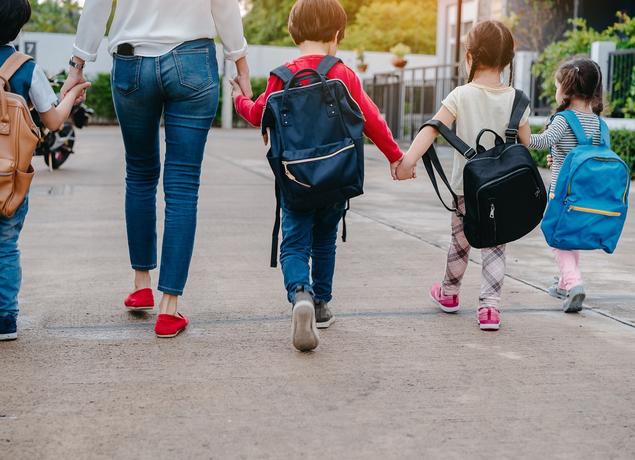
(155, 27)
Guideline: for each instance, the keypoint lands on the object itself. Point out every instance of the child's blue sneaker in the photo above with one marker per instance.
(8, 328)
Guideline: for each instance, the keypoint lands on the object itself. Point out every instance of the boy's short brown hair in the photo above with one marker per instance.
(317, 20)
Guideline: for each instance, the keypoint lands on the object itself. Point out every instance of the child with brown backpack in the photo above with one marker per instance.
(22, 85)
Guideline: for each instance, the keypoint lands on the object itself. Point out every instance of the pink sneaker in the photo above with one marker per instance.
(447, 303)
(489, 318)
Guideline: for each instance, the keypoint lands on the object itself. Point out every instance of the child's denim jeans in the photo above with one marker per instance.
(10, 270)
(310, 235)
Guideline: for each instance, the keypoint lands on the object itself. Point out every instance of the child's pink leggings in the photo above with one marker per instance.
(569, 264)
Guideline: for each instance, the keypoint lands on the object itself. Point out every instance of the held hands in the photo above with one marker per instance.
(405, 169)
(75, 78)
(237, 90)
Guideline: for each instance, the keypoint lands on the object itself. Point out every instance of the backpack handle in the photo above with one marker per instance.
(497, 139)
(300, 75)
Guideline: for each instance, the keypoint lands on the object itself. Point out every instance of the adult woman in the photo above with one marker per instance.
(163, 64)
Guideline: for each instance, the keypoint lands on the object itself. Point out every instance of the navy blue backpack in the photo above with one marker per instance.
(590, 201)
(315, 130)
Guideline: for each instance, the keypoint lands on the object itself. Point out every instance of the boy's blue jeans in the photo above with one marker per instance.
(10, 270)
(183, 86)
(310, 235)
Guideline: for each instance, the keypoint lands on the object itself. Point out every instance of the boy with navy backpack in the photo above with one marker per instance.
(314, 114)
(589, 182)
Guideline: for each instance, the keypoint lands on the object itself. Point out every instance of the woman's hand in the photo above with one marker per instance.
(75, 77)
(549, 161)
(236, 89)
(243, 79)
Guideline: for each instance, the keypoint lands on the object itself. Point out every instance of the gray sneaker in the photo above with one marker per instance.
(556, 291)
(323, 314)
(304, 330)
(573, 303)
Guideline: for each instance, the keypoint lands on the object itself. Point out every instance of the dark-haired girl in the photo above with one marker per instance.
(578, 88)
(484, 102)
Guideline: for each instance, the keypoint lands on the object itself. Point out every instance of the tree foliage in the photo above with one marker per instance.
(59, 16)
(376, 25)
(381, 25)
(576, 42)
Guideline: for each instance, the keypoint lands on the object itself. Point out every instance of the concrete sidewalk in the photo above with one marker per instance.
(392, 378)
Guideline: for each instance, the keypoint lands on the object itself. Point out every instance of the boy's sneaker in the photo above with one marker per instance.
(573, 303)
(304, 328)
(447, 303)
(489, 318)
(323, 315)
(556, 291)
(8, 328)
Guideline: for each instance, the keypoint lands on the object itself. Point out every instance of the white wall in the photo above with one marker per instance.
(54, 50)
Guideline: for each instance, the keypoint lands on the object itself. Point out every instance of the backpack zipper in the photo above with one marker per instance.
(286, 164)
(594, 211)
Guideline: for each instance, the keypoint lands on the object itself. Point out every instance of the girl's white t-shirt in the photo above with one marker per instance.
(476, 107)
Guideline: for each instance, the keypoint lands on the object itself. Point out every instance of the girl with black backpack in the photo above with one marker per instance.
(484, 102)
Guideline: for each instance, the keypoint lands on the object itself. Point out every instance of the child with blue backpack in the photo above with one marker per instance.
(314, 113)
(589, 183)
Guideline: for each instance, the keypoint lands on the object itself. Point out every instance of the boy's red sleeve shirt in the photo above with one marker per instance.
(375, 127)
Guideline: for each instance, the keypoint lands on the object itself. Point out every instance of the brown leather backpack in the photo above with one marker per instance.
(18, 138)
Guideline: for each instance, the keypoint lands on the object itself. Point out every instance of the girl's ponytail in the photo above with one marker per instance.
(581, 78)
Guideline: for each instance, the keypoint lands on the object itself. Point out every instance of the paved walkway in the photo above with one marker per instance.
(393, 378)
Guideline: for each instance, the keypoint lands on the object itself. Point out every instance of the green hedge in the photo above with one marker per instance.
(622, 143)
(99, 97)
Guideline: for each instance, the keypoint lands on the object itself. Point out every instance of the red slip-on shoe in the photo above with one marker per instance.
(170, 325)
(140, 300)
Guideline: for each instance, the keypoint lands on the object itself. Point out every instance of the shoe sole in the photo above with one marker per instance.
(574, 304)
(443, 307)
(325, 324)
(138, 308)
(9, 336)
(489, 327)
(169, 336)
(304, 329)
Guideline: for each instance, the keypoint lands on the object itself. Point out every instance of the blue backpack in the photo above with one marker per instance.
(316, 134)
(591, 197)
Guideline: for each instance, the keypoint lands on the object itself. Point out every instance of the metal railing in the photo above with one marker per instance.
(621, 79)
(407, 98)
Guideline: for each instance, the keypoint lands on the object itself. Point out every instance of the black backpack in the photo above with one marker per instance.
(505, 197)
(316, 133)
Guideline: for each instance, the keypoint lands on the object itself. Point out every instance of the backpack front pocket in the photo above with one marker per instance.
(320, 168)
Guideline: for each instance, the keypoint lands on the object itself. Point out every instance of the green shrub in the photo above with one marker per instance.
(576, 42)
(99, 98)
(622, 143)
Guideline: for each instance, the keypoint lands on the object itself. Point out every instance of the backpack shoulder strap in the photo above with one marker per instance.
(11, 66)
(521, 102)
(327, 63)
(283, 73)
(454, 140)
(605, 133)
(576, 126)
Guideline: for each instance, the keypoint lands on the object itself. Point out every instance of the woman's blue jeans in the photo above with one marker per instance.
(183, 86)
(310, 235)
